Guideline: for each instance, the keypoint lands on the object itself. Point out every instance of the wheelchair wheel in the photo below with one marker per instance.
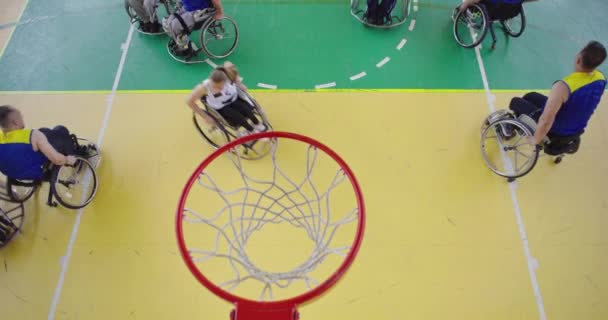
(74, 186)
(12, 216)
(506, 150)
(130, 12)
(216, 136)
(471, 26)
(219, 38)
(19, 190)
(515, 26)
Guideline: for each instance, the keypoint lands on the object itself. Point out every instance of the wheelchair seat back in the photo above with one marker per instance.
(562, 145)
(503, 10)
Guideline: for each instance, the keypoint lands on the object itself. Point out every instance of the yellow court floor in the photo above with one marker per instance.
(442, 238)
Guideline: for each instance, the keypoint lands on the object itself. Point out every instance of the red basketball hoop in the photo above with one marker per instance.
(259, 202)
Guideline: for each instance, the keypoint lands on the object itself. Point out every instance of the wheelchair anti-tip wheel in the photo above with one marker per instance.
(506, 149)
(75, 186)
(219, 38)
(470, 26)
(516, 25)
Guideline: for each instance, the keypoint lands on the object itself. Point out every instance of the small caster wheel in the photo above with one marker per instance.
(558, 160)
(509, 180)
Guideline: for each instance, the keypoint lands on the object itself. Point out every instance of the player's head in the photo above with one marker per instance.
(218, 78)
(10, 118)
(591, 56)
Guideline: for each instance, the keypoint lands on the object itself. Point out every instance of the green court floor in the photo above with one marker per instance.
(59, 44)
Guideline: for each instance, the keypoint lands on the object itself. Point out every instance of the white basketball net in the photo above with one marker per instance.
(313, 214)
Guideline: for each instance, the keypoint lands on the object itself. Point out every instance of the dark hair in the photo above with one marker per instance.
(592, 55)
(5, 112)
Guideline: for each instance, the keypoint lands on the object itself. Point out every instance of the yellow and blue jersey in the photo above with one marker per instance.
(586, 90)
(18, 160)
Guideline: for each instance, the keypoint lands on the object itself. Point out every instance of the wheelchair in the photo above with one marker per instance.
(221, 132)
(471, 26)
(12, 215)
(72, 186)
(169, 5)
(217, 38)
(358, 10)
(508, 153)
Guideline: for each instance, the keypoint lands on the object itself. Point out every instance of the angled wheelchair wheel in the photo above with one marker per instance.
(19, 190)
(215, 135)
(12, 216)
(219, 38)
(471, 26)
(515, 26)
(75, 186)
(506, 149)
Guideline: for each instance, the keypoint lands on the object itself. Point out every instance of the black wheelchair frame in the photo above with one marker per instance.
(222, 132)
(478, 32)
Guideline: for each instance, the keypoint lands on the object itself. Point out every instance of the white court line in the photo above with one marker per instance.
(358, 76)
(209, 62)
(401, 44)
(412, 24)
(109, 102)
(383, 62)
(532, 263)
(267, 86)
(325, 85)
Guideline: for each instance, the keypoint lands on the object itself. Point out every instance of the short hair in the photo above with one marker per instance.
(5, 112)
(592, 55)
(218, 75)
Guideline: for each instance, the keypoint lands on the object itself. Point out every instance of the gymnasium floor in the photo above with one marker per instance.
(445, 239)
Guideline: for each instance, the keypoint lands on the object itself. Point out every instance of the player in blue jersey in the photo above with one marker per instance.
(572, 100)
(179, 25)
(25, 153)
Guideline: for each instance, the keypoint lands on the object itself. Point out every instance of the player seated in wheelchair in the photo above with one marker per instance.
(146, 13)
(564, 114)
(26, 154)
(181, 24)
(220, 92)
(497, 9)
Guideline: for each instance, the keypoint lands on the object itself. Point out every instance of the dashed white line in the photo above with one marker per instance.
(401, 44)
(266, 86)
(358, 76)
(412, 24)
(325, 85)
(383, 62)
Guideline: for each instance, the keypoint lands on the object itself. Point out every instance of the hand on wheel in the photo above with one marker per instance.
(218, 15)
(70, 160)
